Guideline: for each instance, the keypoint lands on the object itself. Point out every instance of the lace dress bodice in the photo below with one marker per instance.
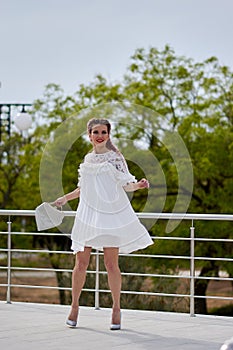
(115, 158)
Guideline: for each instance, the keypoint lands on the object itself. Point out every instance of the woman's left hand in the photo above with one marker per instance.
(143, 183)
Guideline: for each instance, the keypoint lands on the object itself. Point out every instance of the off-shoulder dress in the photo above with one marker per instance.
(105, 217)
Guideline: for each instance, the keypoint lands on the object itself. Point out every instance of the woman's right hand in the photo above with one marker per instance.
(59, 202)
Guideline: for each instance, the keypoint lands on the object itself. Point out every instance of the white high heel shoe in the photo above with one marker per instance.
(71, 323)
(116, 326)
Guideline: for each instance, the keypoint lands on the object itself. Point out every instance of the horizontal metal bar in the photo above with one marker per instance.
(146, 293)
(185, 216)
(34, 269)
(35, 286)
(213, 297)
(212, 259)
(164, 294)
(93, 290)
(160, 216)
(130, 255)
(39, 269)
(214, 240)
(122, 292)
(226, 240)
(69, 252)
(213, 278)
(171, 238)
(36, 233)
(12, 212)
(158, 256)
(36, 251)
(7, 212)
(229, 240)
(154, 256)
(93, 253)
(173, 276)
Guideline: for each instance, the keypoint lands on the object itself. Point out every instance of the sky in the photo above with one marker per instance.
(68, 42)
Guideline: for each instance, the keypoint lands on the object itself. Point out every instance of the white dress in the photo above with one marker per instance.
(105, 217)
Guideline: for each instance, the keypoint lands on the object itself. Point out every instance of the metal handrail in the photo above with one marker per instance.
(167, 216)
(161, 216)
(136, 274)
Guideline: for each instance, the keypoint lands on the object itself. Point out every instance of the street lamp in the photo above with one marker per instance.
(22, 121)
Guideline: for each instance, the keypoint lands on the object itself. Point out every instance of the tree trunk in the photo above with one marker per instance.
(64, 280)
(201, 287)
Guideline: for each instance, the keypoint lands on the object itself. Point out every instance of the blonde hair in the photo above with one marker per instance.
(100, 121)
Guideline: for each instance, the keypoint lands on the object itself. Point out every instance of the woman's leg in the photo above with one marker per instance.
(78, 280)
(114, 280)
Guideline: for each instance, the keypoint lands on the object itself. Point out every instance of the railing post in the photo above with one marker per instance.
(8, 295)
(97, 267)
(192, 271)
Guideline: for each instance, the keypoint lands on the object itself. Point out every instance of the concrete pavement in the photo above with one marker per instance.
(25, 326)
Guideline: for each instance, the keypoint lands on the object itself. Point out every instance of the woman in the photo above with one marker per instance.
(105, 219)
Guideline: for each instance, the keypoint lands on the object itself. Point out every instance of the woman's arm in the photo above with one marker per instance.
(67, 197)
(134, 186)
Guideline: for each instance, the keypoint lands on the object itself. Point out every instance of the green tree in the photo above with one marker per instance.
(194, 99)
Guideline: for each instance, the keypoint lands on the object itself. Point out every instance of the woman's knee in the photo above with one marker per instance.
(81, 265)
(82, 261)
(111, 266)
(111, 259)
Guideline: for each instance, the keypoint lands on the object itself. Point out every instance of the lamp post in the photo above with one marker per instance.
(22, 121)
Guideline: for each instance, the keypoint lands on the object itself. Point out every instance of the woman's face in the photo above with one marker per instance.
(99, 135)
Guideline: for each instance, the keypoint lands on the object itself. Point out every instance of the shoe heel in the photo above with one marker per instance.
(116, 326)
(71, 324)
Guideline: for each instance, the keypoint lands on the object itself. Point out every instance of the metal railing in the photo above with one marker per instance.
(150, 216)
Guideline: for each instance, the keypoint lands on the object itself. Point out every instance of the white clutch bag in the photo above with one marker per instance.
(48, 216)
